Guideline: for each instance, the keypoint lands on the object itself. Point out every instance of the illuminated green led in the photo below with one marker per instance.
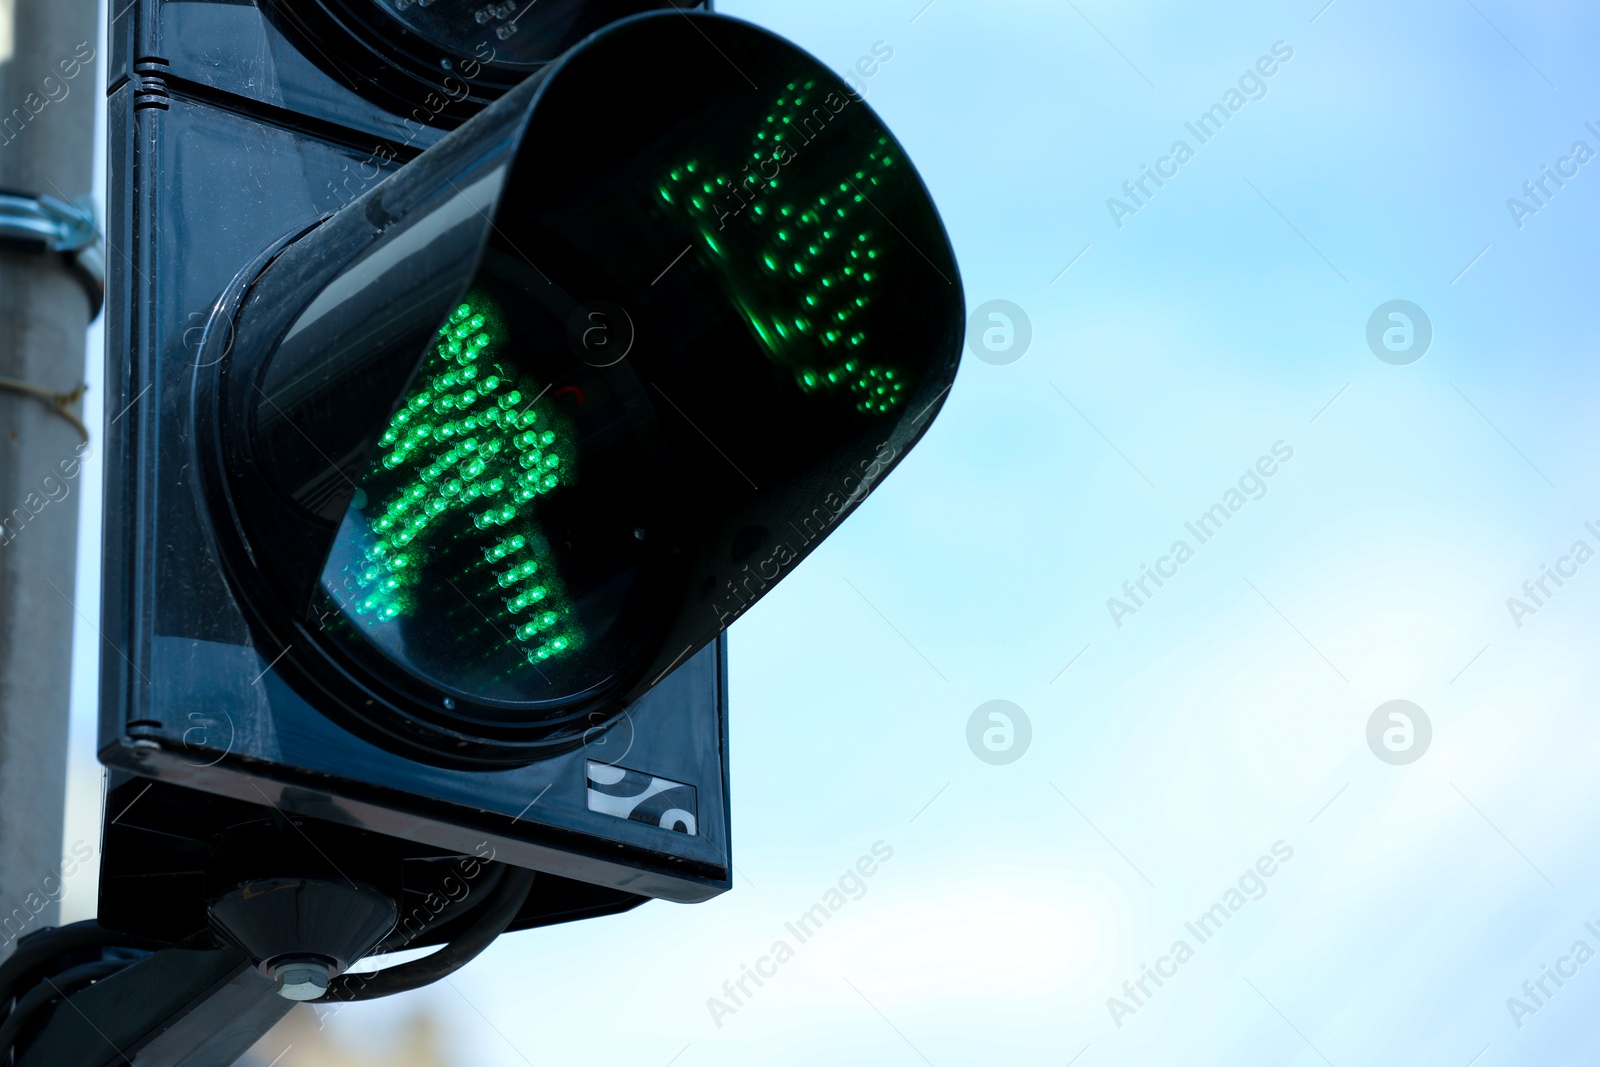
(430, 481)
(821, 282)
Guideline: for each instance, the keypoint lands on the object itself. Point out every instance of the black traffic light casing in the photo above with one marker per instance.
(305, 275)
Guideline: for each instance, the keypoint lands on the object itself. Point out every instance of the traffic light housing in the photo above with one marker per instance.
(434, 477)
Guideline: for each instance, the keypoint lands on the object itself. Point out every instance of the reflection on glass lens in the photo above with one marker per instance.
(804, 265)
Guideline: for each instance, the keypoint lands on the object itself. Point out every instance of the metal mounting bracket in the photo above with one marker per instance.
(47, 226)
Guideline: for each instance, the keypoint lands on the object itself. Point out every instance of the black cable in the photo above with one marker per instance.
(497, 914)
(399, 939)
(41, 947)
(492, 875)
(58, 985)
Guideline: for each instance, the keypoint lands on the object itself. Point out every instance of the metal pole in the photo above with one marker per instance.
(48, 53)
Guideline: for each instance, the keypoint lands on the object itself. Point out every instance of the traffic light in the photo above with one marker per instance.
(470, 373)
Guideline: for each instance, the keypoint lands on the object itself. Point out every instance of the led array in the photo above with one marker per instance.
(474, 455)
(820, 246)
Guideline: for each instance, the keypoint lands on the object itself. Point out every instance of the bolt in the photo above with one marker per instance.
(300, 979)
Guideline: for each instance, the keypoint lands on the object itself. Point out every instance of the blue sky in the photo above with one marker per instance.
(1230, 712)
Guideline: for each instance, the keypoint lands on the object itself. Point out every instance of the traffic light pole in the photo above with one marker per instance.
(47, 298)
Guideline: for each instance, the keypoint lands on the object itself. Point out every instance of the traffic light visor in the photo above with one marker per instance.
(683, 302)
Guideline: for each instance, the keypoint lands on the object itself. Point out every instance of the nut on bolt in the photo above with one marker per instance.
(300, 979)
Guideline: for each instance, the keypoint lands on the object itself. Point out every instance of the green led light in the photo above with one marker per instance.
(430, 481)
(819, 283)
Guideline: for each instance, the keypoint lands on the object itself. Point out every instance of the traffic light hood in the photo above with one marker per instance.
(517, 431)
